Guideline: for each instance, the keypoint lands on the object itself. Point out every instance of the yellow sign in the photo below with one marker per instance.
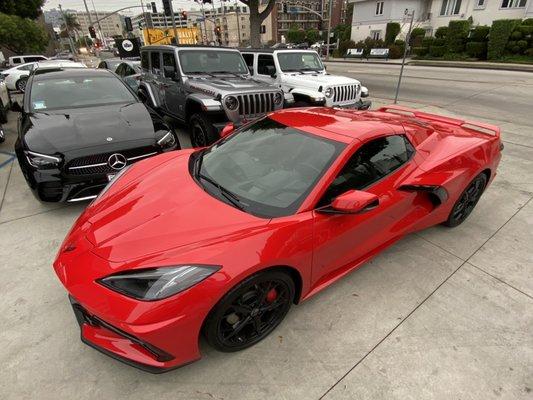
(164, 36)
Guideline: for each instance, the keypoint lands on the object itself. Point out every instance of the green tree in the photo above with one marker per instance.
(70, 24)
(21, 35)
(392, 30)
(342, 32)
(295, 35)
(312, 36)
(22, 8)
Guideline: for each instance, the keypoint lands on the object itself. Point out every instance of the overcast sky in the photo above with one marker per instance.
(112, 5)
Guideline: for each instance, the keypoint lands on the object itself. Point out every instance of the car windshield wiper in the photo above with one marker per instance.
(229, 73)
(200, 73)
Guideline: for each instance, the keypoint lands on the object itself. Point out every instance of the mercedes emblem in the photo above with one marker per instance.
(117, 161)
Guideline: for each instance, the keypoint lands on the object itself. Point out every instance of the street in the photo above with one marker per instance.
(442, 314)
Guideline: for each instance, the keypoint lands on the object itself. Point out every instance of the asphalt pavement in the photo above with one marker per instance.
(443, 314)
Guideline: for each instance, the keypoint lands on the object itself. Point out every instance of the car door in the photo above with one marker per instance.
(173, 89)
(265, 65)
(343, 240)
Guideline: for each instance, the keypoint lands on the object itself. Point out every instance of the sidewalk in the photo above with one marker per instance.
(438, 63)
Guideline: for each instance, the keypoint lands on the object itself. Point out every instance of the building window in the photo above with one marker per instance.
(514, 3)
(451, 7)
(480, 4)
(376, 35)
(379, 7)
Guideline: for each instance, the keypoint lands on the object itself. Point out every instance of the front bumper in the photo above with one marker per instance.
(358, 105)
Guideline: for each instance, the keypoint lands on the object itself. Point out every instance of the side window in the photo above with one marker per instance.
(28, 67)
(128, 70)
(265, 64)
(32, 59)
(102, 65)
(169, 65)
(373, 161)
(17, 60)
(249, 59)
(156, 63)
(145, 61)
(120, 70)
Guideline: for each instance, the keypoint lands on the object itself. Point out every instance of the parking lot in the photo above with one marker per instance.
(443, 314)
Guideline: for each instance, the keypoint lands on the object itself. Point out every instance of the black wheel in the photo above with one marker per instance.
(202, 131)
(21, 84)
(301, 103)
(3, 113)
(250, 311)
(467, 201)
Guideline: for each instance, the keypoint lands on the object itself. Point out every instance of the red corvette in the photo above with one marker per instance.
(223, 240)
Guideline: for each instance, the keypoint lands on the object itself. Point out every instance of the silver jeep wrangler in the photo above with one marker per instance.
(204, 88)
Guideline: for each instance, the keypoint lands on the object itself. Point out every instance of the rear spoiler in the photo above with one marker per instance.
(480, 127)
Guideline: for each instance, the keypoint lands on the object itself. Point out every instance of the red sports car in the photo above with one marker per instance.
(223, 240)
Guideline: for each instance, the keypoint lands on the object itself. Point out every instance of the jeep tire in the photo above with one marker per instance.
(201, 130)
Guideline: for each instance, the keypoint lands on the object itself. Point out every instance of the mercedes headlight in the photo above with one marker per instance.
(278, 98)
(158, 283)
(231, 103)
(168, 141)
(42, 161)
(328, 92)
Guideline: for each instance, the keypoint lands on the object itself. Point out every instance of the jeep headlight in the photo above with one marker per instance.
(328, 92)
(231, 103)
(278, 98)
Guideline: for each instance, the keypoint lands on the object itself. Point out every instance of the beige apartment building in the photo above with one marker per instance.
(111, 26)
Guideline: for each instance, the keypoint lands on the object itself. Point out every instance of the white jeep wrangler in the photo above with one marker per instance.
(301, 73)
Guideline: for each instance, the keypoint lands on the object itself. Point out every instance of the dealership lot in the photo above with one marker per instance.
(446, 313)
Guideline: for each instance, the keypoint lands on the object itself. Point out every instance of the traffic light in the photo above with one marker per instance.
(154, 8)
(167, 8)
(92, 32)
(127, 22)
(184, 15)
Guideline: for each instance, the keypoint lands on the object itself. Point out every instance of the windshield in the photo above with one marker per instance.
(299, 61)
(266, 169)
(57, 93)
(212, 61)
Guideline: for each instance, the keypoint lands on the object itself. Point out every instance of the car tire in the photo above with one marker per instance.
(3, 113)
(467, 201)
(201, 131)
(250, 311)
(21, 84)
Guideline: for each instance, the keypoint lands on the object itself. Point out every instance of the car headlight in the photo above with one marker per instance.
(278, 98)
(158, 283)
(231, 103)
(168, 141)
(328, 92)
(42, 161)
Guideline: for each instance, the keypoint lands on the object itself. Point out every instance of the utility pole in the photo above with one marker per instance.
(145, 22)
(176, 38)
(330, 6)
(238, 23)
(407, 38)
(99, 26)
(205, 26)
(72, 49)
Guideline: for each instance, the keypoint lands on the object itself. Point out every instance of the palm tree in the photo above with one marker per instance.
(71, 24)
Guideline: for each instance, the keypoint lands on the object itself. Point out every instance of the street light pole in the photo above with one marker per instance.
(72, 49)
(407, 38)
(330, 6)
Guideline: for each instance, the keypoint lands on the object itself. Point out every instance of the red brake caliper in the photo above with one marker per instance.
(272, 295)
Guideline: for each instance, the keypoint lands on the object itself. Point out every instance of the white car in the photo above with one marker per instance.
(19, 60)
(5, 101)
(17, 77)
(301, 73)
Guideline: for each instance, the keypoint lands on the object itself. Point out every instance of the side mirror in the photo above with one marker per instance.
(15, 107)
(227, 130)
(271, 70)
(353, 202)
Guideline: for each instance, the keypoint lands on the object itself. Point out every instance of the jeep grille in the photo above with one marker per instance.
(254, 105)
(344, 93)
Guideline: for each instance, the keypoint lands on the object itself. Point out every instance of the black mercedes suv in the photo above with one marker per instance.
(78, 128)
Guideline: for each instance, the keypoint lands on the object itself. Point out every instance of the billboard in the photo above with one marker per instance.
(128, 48)
(165, 35)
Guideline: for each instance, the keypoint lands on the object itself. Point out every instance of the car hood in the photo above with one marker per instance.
(229, 84)
(74, 129)
(318, 79)
(162, 210)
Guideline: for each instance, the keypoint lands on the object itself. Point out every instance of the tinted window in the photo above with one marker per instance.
(156, 63)
(263, 62)
(57, 93)
(33, 59)
(249, 59)
(17, 60)
(144, 61)
(270, 167)
(212, 61)
(370, 163)
(120, 70)
(169, 65)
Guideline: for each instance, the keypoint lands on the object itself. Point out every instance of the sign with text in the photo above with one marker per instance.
(165, 36)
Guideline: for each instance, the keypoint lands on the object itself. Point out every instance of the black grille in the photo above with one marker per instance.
(345, 93)
(255, 104)
(97, 163)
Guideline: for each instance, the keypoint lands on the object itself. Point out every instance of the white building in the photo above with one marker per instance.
(111, 25)
(370, 17)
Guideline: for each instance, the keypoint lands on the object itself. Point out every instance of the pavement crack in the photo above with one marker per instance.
(500, 280)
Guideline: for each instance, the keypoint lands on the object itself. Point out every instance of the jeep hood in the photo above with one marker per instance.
(230, 84)
(163, 208)
(317, 79)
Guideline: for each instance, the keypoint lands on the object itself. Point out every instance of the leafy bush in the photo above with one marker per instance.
(528, 21)
(499, 36)
(345, 45)
(510, 45)
(457, 35)
(437, 51)
(516, 35)
(392, 30)
(522, 44)
(439, 42)
(477, 49)
(399, 42)
(479, 33)
(368, 44)
(312, 36)
(526, 30)
(420, 51)
(529, 52)
(427, 41)
(395, 51)
(418, 32)
(441, 32)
